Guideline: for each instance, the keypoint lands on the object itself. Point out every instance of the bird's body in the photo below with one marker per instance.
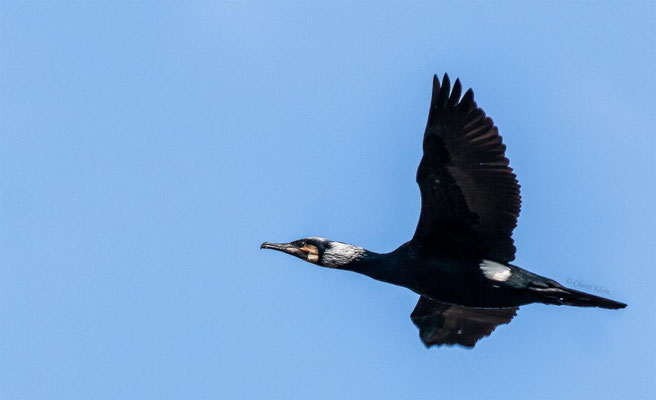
(458, 260)
(447, 279)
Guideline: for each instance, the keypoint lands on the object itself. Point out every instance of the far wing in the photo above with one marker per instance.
(444, 324)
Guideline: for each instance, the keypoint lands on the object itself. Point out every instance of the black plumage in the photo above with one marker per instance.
(465, 181)
(458, 260)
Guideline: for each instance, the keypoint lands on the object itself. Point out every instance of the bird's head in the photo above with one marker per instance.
(320, 251)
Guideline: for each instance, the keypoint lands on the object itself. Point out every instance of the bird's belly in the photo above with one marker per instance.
(475, 297)
(463, 285)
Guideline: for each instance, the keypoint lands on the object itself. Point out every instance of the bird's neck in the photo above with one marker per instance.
(377, 266)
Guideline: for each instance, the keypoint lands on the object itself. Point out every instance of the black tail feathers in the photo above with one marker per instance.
(561, 295)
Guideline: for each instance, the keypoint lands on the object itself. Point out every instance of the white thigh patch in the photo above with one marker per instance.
(495, 271)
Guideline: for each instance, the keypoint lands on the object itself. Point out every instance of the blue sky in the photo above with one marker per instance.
(147, 149)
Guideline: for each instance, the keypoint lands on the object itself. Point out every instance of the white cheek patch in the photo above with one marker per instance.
(495, 271)
(339, 254)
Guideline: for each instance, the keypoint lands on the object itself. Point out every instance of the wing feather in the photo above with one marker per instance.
(445, 324)
(470, 196)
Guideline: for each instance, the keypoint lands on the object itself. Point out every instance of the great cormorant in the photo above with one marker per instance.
(458, 260)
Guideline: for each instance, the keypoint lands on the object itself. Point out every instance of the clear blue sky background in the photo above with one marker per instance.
(147, 149)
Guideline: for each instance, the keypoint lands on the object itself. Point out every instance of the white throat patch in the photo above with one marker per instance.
(338, 254)
(495, 271)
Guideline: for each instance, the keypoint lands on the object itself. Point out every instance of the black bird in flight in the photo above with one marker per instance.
(458, 260)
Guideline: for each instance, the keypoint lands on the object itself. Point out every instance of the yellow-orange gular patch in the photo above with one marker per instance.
(312, 251)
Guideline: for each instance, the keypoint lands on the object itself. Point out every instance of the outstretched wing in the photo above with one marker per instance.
(441, 323)
(470, 197)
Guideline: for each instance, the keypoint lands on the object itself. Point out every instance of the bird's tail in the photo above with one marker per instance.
(561, 295)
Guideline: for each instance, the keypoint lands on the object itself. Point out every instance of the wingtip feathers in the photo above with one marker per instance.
(444, 94)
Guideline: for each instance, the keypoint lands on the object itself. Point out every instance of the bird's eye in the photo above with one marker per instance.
(301, 244)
